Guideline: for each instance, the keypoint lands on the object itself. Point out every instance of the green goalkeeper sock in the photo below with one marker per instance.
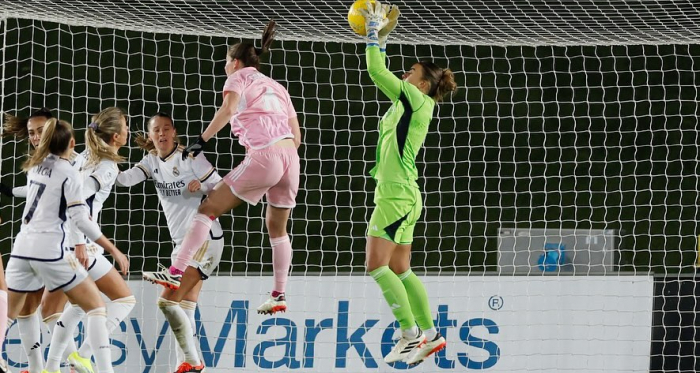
(418, 298)
(395, 294)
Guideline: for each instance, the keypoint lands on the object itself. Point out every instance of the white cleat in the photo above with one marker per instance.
(404, 347)
(3, 366)
(79, 363)
(163, 278)
(426, 349)
(273, 305)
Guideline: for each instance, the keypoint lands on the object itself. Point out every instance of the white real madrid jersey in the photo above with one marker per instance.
(52, 187)
(171, 175)
(102, 176)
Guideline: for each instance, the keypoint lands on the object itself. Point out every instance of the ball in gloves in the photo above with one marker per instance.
(355, 17)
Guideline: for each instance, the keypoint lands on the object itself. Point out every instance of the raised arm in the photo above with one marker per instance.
(380, 20)
(222, 116)
(384, 79)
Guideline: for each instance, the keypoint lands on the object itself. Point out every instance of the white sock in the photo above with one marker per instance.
(117, 310)
(99, 337)
(30, 335)
(411, 333)
(189, 308)
(51, 325)
(62, 336)
(430, 334)
(177, 318)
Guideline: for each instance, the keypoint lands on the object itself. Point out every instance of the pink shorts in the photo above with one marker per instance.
(272, 171)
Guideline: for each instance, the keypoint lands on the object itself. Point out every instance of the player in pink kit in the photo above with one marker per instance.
(264, 120)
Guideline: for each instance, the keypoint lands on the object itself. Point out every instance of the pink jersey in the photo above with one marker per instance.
(264, 111)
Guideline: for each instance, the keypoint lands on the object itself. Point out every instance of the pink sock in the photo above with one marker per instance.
(281, 260)
(3, 315)
(194, 239)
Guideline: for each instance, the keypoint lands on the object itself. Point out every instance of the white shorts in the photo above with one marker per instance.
(28, 276)
(206, 259)
(99, 265)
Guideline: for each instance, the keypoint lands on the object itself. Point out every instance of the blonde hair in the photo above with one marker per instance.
(100, 133)
(144, 141)
(55, 139)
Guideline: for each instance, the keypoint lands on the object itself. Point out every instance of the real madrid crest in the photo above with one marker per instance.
(176, 172)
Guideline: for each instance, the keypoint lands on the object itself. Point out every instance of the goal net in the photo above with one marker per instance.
(556, 182)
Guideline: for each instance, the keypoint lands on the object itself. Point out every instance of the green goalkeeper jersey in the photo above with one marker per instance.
(403, 128)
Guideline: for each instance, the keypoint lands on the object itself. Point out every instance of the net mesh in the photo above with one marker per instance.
(574, 122)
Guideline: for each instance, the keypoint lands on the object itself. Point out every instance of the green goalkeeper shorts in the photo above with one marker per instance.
(397, 209)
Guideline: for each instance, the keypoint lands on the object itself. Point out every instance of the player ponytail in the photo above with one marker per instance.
(267, 37)
(442, 81)
(17, 127)
(248, 54)
(144, 141)
(99, 135)
(55, 139)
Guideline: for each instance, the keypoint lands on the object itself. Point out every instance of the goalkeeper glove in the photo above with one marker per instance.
(375, 20)
(194, 149)
(393, 17)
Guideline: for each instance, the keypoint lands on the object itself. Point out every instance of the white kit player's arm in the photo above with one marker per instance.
(20, 191)
(89, 189)
(103, 176)
(205, 173)
(134, 175)
(14, 192)
(78, 211)
(80, 218)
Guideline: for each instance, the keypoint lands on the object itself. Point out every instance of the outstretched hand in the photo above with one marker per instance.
(393, 20)
(194, 149)
(375, 19)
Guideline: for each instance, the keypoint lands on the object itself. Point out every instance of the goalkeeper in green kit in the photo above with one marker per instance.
(397, 197)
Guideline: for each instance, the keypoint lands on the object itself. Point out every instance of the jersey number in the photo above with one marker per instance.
(272, 102)
(37, 190)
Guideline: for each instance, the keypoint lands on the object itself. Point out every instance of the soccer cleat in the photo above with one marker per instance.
(163, 278)
(80, 364)
(188, 368)
(3, 366)
(426, 349)
(404, 347)
(273, 305)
